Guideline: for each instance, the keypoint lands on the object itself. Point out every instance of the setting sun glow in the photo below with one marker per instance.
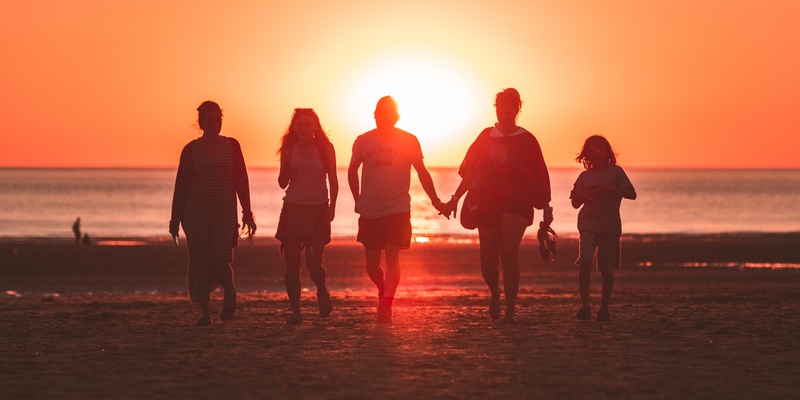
(672, 84)
(439, 102)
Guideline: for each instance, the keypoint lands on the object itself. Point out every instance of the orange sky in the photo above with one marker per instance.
(670, 83)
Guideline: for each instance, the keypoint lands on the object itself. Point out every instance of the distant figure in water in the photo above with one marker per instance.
(308, 168)
(506, 165)
(86, 240)
(76, 230)
(211, 174)
(600, 190)
(382, 197)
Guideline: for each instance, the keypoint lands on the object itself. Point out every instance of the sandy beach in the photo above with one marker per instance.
(692, 317)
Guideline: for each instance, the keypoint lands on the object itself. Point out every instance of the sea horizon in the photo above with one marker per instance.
(136, 202)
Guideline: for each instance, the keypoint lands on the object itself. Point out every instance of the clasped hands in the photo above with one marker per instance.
(446, 209)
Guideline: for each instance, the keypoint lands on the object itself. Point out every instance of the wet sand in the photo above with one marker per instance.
(114, 321)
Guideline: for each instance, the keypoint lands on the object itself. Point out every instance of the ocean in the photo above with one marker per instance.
(137, 202)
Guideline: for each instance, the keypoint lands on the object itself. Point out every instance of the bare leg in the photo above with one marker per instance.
(225, 277)
(608, 287)
(490, 261)
(314, 262)
(291, 277)
(585, 266)
(314, 256)
(391, 281)
(512, 228)
(392, 270)
(374, 269)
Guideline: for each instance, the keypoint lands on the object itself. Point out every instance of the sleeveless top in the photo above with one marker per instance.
(308, 183)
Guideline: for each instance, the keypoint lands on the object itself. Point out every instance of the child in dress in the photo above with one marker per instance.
(600, 190)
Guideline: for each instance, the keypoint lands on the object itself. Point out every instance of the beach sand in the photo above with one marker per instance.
(113, 320)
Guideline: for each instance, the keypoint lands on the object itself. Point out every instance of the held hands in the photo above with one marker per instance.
(452, 207)
(446, 209)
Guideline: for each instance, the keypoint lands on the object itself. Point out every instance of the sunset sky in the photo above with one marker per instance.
(113, 83)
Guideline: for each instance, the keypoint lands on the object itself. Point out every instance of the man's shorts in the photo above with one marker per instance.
(604, 248)
(390, 230)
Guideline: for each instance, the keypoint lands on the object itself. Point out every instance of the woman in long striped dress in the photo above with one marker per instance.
(211, 174)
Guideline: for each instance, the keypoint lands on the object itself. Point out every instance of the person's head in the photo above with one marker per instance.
(209, 118)
(386, 114)
(304, 125)
(507, 105)
(596, 153)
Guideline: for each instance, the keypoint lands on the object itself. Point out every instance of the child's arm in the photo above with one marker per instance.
(576, 199)
(624, 192)
(624, 186)
(579, 196)
(627, 193)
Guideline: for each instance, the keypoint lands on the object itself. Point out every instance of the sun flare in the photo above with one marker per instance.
(439, 103)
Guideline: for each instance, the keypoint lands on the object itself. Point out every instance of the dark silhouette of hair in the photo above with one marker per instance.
(290, 137)
(205, 108)
(603, 142)
(510, 96)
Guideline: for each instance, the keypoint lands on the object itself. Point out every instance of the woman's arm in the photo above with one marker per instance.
(183, 181)
(286, 168)
(333, 182)
(241, 184)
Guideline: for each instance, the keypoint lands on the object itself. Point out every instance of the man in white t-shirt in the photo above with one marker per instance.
(382, 197)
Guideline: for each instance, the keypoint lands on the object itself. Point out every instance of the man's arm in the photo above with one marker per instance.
(352, 178)
(427, 185)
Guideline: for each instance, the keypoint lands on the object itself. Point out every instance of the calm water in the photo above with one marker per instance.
(136, 202)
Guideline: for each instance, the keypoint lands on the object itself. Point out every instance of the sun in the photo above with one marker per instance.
(439, 102)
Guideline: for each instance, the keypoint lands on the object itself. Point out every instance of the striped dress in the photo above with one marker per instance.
(209, 219)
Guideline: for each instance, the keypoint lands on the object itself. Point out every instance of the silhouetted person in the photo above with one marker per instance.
(382, 197)
(211, 174)
(506, 165)
(600, 190)
(308, 166)
(86, 240)
(76, 230)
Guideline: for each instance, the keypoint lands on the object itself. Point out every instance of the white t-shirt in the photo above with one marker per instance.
(386, 159)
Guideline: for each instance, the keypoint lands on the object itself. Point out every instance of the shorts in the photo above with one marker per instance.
(305, 223)
(603, 248)
(390, 230)
(489, 215)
